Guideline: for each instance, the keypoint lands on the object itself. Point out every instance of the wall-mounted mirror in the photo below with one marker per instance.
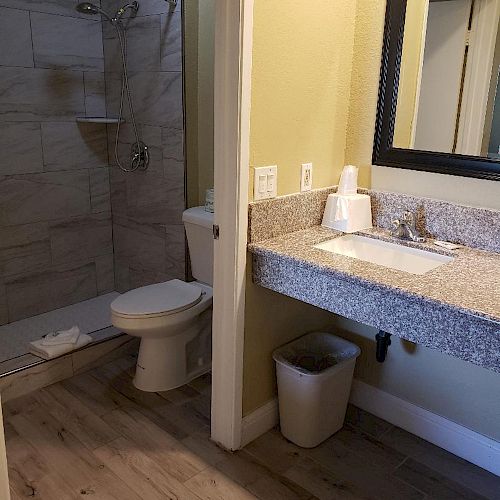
(439, 97)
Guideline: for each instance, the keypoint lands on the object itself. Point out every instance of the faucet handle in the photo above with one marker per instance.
(409, 217)
(396, 230)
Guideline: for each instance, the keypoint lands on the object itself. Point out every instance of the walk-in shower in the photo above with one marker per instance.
(75, 229)
(139, 153)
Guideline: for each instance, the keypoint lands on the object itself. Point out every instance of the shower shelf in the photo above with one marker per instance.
(98, 119)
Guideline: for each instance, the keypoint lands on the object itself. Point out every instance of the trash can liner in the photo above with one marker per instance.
(313, 362)
(312, 354)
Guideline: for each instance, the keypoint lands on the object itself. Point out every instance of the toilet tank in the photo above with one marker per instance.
(198, 224)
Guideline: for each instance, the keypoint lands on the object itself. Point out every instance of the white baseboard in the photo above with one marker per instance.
(260, 421)
(465, 443)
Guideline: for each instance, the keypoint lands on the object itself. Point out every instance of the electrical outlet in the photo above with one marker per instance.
(306, 177)
(265, 182)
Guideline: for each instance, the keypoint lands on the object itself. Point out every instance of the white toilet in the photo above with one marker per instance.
(173, 319)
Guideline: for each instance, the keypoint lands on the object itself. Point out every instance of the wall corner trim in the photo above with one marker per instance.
(457, 439)
(260, 421)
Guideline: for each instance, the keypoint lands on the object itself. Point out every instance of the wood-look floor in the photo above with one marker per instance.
(95, 436)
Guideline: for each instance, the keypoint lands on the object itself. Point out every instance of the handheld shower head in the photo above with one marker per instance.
(139, 156)
(91, 9)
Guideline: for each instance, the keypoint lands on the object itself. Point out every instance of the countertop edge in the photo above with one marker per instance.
(259, 248)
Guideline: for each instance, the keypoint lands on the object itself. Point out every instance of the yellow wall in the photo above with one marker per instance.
(206, 30)
(302, 59)
(364, 86)
(271, 320)
(191, 99)
(4, 472)
(491, 99)
(303, 110)
(462, 392)
(199, 26)
(301, 77)
(411, 65)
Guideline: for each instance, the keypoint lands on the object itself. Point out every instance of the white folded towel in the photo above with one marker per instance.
(62, 337)
(63, 345)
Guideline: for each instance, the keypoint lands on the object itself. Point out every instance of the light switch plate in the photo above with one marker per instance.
(306, 177)
(265, 183)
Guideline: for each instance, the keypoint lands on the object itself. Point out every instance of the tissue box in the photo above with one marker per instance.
(357, 214)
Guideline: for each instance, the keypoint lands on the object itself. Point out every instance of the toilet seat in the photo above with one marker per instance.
(158, 300)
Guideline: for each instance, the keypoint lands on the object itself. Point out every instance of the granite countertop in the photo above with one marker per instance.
(469, 284)
(454, 308)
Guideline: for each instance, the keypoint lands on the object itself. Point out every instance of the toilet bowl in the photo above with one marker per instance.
(173, 319)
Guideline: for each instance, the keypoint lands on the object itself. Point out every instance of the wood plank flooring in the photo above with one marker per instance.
(95, 436)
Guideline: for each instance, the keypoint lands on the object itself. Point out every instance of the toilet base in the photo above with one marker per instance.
(148, 382)
(167, 363)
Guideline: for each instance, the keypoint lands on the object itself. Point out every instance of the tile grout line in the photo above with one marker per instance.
(405, 459)
(389, 429)
(31, 38)
(424, 495)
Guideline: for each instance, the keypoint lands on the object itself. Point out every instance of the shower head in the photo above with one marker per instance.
(91, 9)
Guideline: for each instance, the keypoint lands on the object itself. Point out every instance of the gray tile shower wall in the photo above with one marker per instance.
(55, 214)
(147, 206)
(66, 41)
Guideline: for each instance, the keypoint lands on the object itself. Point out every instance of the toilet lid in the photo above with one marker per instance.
(163, 298)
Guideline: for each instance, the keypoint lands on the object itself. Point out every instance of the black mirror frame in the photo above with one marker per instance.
(383, 152)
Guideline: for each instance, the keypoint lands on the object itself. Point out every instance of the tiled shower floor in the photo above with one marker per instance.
(92, 316)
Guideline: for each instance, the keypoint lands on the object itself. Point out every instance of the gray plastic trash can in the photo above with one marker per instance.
(314, 381)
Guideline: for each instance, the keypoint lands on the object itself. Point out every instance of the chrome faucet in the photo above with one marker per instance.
(405, 229)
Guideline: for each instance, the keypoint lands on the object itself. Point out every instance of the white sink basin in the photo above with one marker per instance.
(384, 253)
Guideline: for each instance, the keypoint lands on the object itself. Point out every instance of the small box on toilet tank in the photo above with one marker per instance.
(348, 212)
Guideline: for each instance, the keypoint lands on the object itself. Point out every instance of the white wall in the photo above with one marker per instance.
(459, 391)
(463, 190)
